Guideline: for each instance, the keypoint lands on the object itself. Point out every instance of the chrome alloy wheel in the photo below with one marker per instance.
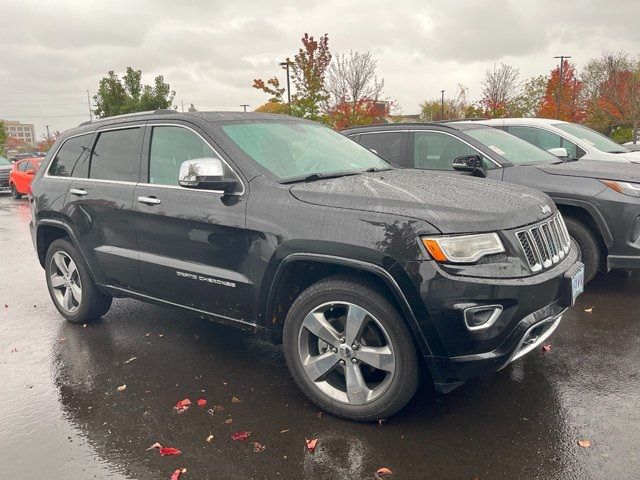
(346, 352)
(65, 282)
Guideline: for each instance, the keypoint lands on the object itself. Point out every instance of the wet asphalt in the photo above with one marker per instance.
(63, 417)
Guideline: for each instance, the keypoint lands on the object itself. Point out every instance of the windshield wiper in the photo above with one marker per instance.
(318, 176)
(376, 169)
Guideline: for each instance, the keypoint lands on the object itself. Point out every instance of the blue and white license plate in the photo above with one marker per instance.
(577, 284)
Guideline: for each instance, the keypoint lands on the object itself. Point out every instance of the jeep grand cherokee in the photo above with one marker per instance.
(289, 230)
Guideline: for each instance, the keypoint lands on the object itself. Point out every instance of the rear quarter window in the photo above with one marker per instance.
(71, 158)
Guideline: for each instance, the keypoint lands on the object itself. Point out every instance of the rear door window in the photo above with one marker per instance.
(22, 166)
(71, 159)
(116, 155)
(391, 146)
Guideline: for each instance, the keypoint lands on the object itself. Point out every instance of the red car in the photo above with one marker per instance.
(22, 174)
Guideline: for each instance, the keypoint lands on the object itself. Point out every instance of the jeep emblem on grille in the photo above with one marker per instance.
(546, 209)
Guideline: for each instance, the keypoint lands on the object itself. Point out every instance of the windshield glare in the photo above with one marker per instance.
(514, 149)
(591, 137)
(292, 150)
(4, 161)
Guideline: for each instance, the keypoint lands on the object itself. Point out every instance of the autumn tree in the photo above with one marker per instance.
(571, 106)
(271, 87)
(529, 101)
(47, 140)
(127, 95)
(500, 87)
(354, 90)
(3, 136)
(273, 107)
(612, 91)
(431, 110)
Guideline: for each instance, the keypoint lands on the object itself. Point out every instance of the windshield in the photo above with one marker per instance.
(514, 149)
(4, 161)
(295, 150)
(592, 137)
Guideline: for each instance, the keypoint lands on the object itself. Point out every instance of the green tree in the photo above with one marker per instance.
(3, 137)
(127, 95)
(529, 102)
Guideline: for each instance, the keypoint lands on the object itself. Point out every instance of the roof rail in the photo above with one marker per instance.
(470, 119)
(134, 114)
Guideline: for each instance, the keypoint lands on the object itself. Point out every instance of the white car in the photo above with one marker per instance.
(564, 139)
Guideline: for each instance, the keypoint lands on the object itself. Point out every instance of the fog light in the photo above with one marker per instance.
(478, 318)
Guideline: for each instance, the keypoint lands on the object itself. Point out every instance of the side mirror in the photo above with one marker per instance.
(560, 152)
(30, 172)
(206, 174)
(469, 163)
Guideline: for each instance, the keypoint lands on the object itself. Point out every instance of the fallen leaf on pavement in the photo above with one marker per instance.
(381, 421)
(131, 360)
(121, 388)
(176, 474)
(155, 445)
(240, 435)
(589, 310)
(166, 451)
(584, 443)
(182, 405)
(202, 402)
(311, 444)
(215, 409)
(235, 399)
(284, 431)
(210, 438)
(228, 421)
(258, 447)
(546, 348)
(383, 472)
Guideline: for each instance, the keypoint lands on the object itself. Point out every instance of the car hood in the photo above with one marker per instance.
(626, 172)
(451, 203)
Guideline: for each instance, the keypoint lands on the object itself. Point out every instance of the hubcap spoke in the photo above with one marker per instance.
(378, 357)
(67, 301)
(318, 325)
(76, 291)
(57, 281)
(357, 390)
(355, 322)
(72, 268)
(62, 266)
(318, 366)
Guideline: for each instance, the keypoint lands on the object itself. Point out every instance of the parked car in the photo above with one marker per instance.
(5, 170)
(22, 175)
(566, 140)
(599, 200)
(289, 230)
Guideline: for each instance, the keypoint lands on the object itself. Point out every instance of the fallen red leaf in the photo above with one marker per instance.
(182, 405)
(383, 472)
(164, 451)
(258, 447)
(202, 402)
(546, 348)
(240, 435)
(176, 474)
(311, 444)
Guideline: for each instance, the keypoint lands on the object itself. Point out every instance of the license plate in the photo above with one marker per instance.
(577, 284)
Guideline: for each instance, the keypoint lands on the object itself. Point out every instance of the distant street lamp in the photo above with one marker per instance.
(442, 105)
(245, 105)
(559, 93)
(286, 65)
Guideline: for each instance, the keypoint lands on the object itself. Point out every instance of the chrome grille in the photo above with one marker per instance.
(545, 243)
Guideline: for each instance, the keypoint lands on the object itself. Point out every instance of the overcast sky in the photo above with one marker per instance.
(210, 51)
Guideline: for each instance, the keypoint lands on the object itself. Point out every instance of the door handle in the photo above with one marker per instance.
(78, 192)
(149, 200)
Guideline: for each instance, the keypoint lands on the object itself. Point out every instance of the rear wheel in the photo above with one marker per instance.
(71, 288)
(14, 193)
(588, 244)
(350, 351)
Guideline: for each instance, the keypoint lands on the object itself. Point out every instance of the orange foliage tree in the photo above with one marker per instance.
(364, 111)
(571, 106)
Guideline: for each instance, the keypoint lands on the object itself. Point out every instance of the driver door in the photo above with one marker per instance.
(434, 150)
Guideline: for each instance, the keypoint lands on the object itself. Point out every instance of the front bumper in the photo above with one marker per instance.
(532, 308)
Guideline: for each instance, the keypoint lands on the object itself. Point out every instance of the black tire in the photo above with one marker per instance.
(14, 193)
(589, 247)
(93, 304)
(402, 383)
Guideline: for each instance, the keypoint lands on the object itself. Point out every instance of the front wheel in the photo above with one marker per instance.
(350, 351)
(15, 193)
(588, 244)
(71, 287)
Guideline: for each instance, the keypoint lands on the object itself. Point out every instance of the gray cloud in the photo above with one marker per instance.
(211, 51)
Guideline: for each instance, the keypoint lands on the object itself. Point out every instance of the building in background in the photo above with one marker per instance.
(22, 131)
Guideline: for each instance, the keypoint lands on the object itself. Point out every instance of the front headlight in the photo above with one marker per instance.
(626, 188)
(463, 248)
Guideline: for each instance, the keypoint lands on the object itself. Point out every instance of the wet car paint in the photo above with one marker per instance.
(63, 417)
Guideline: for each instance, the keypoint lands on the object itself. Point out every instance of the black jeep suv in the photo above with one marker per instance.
(289, 230)
(599, 200)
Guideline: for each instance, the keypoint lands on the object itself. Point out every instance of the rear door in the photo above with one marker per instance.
(20, 176)
(194, 248)
(100, 205)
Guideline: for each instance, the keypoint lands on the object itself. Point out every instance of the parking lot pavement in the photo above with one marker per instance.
(63, 415)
